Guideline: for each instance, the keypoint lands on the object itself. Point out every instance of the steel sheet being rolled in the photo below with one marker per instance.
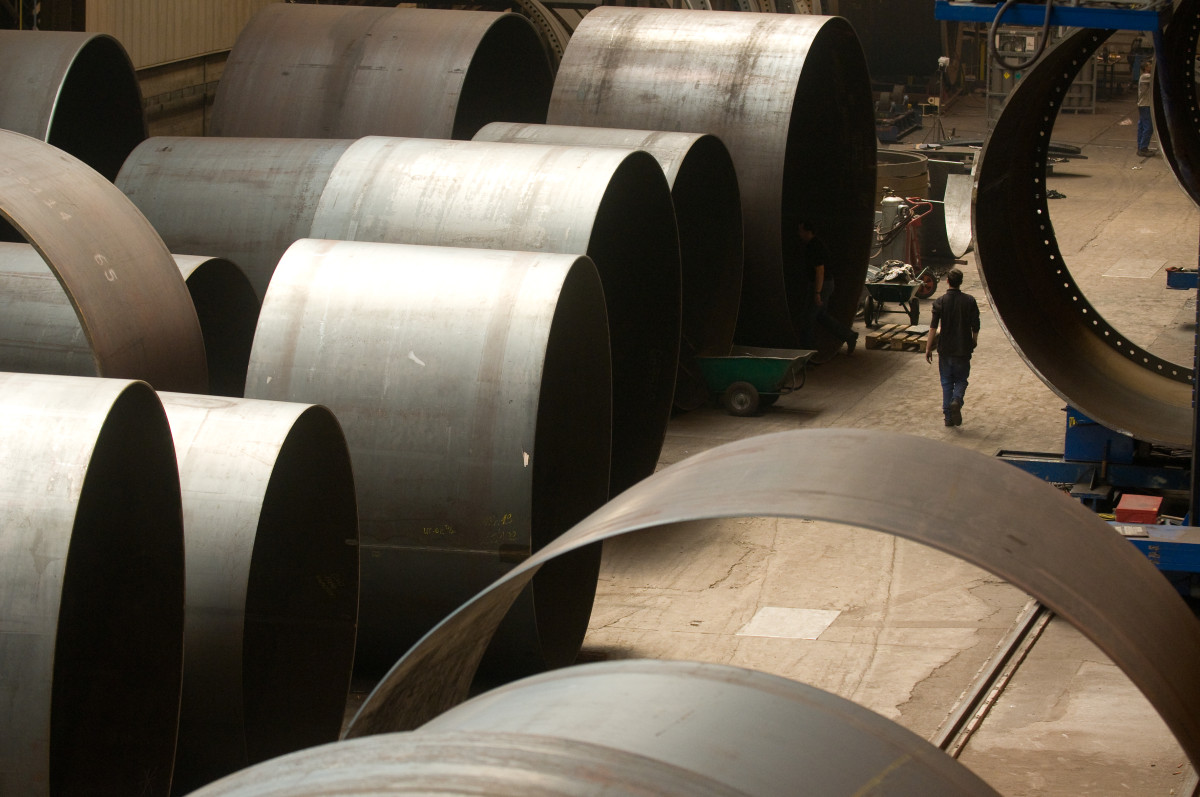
(1175, 103)
(613, 205)
(92, 588)
(789, 95)
(77, 91)
(310, 71)
(246, 200)
(473, 387)
(756, 733)
(128, 293)
(1062, 337)
(1053, 548)
(631, 727)
(40, 333)
(946, 231)
(272, 580)
(704, 191)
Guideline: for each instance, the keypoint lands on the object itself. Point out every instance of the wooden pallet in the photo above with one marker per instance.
(898, 337)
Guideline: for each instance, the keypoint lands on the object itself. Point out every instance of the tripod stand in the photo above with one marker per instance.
(937, 131)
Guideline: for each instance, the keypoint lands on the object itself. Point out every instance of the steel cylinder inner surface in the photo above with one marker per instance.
(227, 308)
(831, 186)
(509, 79)
(98, 117)
(118, 659)
(302, 594)
(1175, 107)
(1078, 354)
(635, 246)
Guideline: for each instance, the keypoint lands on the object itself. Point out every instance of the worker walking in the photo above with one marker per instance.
(1144, 126)
(954, 332)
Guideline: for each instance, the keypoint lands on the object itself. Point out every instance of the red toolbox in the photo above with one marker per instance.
(1138, 508)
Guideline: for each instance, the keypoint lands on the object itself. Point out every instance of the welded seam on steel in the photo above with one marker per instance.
(1078, 354)
(1176, 107)
(131, 300)
(1054, 548)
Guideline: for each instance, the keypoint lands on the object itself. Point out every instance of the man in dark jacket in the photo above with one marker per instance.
(954, 331)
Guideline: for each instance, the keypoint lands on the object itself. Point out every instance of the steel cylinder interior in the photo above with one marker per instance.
(509, 78)
(77, 91)
(118, 655)
(1174, 103)
(1062, 337)
(302, 593)
(227, 308)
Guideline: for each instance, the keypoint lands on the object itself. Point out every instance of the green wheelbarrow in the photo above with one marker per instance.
(751, 377)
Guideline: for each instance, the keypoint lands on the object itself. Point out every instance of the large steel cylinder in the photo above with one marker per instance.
(704, 191)
(40, 333)
(613, 205)
(500, 764)
(308, 71)
(128, 293)
(246, 200)
(789, 95)
(473, 387)
(1062, 337)
(631, 727)
(91, 588)
(272, 580)
(756, 733)
(1175, 103)
(77, 91)
(1002, 519)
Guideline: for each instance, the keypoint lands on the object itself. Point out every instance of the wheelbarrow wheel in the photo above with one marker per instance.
(914, 311)
(740, 399)
(869, 312)
(928, 285)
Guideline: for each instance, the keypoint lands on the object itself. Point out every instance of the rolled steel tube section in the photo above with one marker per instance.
(473, 387)
(612, 205)
(245, 200)
(91, 635)
(227, 308)
(756, 733)
(308, 71)
(131, 301)
(77, 91)
(40, 333)
(941, 229)
(501, 764)
(271, 533)
(1054, 548)
(789, 95)
(1061, 336)
(905, 173)
(1176, 106)
(704, 190)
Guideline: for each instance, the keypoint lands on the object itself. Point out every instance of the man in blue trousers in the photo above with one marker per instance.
(954, 332)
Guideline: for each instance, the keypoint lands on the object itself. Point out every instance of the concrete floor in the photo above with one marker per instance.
(899, 628)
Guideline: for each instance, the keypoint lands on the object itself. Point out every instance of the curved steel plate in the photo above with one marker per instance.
(77, 91)
(789, 95)
(473, 387)
(612, 205)
(132, 303)
(91, 585)
(1061, 336)
(500, 764)
(1054, 548)
(246, 200)
(332, 71)
(959, 199)
(272, 580)
(759, 734)
(1176, 105)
